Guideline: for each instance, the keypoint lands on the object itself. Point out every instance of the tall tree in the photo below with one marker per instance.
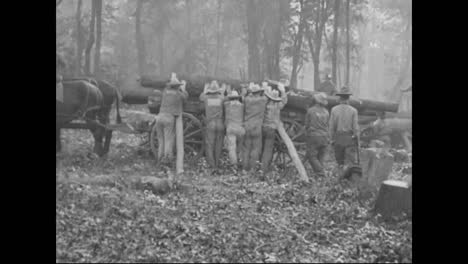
(348, 68)
(298, 44)
(139, 40)
(188, 43)
(336, 11)
(320, 11)
(79, 39)
(90, 44)
(253, 30)
(97, 50)
(218, 36)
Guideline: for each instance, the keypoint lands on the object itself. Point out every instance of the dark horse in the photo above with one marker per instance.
(92, 100)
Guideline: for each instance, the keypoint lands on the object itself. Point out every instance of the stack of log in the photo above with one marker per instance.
(298, 100)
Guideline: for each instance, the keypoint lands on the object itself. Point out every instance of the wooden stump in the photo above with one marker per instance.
(394, 199)
(376, 167)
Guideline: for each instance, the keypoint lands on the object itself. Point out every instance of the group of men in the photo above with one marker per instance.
(249, 119)
(339, 128)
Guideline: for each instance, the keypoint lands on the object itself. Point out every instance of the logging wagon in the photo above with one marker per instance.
(150, 91)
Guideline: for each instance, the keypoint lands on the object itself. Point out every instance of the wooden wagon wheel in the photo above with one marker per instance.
(296, 132)
(193, 137)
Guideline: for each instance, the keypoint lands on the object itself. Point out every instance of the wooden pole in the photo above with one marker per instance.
(179, 145)
(292, 152)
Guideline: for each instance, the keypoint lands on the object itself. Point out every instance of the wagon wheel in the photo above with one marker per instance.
(296, 132)
(193, 137)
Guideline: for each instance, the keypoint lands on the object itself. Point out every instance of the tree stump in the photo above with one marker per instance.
(394, 199)
(376, 165)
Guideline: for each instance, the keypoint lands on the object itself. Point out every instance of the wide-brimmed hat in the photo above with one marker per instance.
(213, 87)
(321, 98)
(255, 88)
(273, 95)
(174, 82)
(234, 95)
(344, 91)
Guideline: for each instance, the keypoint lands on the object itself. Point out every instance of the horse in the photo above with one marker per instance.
(92, 100)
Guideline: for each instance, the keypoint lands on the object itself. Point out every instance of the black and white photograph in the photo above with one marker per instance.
(234, 131)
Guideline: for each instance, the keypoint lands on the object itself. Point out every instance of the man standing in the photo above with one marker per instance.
(317, 133)
(173, 98)
(327, 87)
(255, 103)
(234, 109)
(344, 129)
(277, 99)
(213, 98)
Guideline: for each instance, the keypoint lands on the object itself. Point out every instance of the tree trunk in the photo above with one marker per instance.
(162, 68)
(90, 39)
(97, 50)
(297, 46)
(139, 40)
(79, 39)
(335, 39)
(188, 44)
(218, 37)
(347, 43)
(253, 33)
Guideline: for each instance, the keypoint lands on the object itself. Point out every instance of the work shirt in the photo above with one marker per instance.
(316, 121)
(173, 101)
(273, 112)
(344, 119)
(254, 111)
(327, 87)
(213, 106)
(234, 113)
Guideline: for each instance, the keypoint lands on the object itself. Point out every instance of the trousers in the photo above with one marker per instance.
(316, 151)
(252, 147)
(234, 134)
(165, 129)
(345, 150)
(214, 141)
(269, 136)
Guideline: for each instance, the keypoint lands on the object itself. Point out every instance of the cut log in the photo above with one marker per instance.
(299, 100)
(292, 153)
(156, 185)
(394, 199)
(137, 96)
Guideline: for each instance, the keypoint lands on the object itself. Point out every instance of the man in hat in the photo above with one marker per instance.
(277, 99)
(234, 109)
(213, 98)
(172, 103)
(344, 129)
(254, 104)
(317, 133)
(327, 87)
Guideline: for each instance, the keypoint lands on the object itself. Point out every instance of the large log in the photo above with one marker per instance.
(298, 100)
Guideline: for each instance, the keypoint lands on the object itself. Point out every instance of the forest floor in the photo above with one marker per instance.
(232, 217)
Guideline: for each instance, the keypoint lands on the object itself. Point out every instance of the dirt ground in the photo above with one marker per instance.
(230, 217)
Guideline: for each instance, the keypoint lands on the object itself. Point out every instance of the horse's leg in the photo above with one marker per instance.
(97, 133)
(104, 119)
(58, 145)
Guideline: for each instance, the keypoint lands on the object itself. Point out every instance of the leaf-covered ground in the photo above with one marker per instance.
(232, 217)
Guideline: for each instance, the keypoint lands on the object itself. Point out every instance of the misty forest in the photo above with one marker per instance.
(146, 173)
